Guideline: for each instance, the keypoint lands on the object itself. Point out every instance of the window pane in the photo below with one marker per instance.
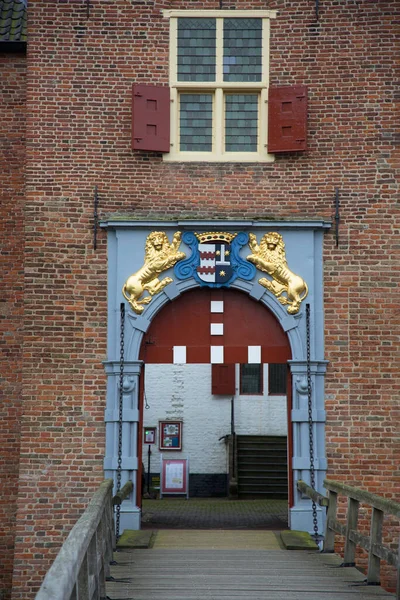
(242, 49)
(277, 378)
(250, 379)
(241, 122)
(196, 122)
(196, 49)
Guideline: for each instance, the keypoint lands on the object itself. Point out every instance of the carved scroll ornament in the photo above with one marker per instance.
(269, 256)
(160, 255)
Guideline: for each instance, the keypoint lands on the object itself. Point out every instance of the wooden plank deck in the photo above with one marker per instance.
(220, 571)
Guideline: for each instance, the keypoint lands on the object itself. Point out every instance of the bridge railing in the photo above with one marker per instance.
(371, 543)
(80, 569)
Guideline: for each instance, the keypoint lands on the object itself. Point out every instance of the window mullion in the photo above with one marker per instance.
(219, 51)
(219, 96)
(219, 121)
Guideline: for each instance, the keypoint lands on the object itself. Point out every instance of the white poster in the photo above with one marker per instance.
(174, 475)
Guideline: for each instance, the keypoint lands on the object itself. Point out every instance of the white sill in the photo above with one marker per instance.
(231, 157)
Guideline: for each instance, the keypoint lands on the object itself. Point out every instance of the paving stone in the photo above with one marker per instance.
(135, 539)
(209, 513)
(298, 540)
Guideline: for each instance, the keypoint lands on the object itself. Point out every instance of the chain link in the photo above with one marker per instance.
(310, 421)
(120, 407)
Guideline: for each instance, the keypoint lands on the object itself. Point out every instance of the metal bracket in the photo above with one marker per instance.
(337, 216)
(95, 217)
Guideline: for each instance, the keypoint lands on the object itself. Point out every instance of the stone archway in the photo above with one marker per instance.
(123, 238)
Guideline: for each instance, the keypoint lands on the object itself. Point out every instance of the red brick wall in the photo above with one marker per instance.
(78, 114)
(12, 160)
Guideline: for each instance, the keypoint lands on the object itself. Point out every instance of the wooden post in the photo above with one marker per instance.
(329, 541)
(83, 580)
(398, 574)
(102, 552)
(374, 562)
(350, 546)
(92, 566)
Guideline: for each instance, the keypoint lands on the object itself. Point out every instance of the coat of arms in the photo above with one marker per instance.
(215, 260)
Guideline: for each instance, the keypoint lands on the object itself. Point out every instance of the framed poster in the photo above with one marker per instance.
(149, 435)
(174, 476)
(170, 435)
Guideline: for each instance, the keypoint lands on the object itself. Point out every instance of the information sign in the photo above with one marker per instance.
(174, 476)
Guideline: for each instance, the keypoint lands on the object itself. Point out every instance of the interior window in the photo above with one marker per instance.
(277, 377)
(251, 381)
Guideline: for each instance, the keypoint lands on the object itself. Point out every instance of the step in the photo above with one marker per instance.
(262, 452)
(246, 443)
(262, 464)
(263, 487)
(263, 495)
(262, 472)
(250, 443)
(263, 484)
(262, 438)
(262, 477)
(265, 456)
(260, 446)
(254, 481)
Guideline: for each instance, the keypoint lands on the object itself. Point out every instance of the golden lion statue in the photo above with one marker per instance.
(270, 257)
(159, 256)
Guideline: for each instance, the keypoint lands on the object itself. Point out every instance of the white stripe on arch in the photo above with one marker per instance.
(179, 355)
(217, 355)
(254, 354)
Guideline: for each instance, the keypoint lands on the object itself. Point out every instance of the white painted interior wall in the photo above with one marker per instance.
(182, 392)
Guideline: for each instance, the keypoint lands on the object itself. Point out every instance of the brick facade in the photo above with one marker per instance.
(12, 157)
(80, 72)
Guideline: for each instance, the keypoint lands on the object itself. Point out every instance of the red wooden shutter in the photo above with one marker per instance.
(287, 118)
(223, 380)
(150, 117)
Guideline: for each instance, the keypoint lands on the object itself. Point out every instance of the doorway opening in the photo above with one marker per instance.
(216, 392)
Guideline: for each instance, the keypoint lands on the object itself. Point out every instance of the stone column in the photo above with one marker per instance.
(301, 512)
(130, 512)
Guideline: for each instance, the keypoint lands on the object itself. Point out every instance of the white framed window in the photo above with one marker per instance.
(219, 85)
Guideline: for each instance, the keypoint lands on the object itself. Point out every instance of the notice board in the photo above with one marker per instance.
(174, 476)
(170, 435)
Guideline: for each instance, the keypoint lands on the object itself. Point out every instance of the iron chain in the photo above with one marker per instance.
(120, 415)
(310, 421)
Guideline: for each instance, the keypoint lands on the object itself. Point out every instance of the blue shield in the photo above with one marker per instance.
(215, 262)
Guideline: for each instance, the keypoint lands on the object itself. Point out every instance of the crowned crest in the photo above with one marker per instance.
(215, 260)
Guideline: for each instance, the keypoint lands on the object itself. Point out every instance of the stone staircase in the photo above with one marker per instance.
(262, 466)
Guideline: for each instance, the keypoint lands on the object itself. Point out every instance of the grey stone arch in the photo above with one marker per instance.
(300, 516)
